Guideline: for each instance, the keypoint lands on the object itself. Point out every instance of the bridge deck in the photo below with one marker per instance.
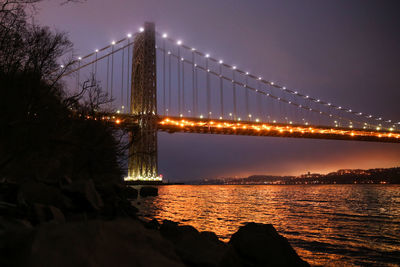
(229, 127)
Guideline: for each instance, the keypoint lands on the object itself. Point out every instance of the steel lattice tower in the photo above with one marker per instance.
(143, 149)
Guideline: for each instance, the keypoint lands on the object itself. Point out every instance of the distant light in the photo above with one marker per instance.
(179, 42)
(164, 35)
(260, 78)
(284, 88)
(247, 73)
(141, 29)
(193, 49)
(234, 67)
(129, 35)
(169, 52)
(62, 66)
(79, 58)
(272, 83)
(207, 55)
(220, 62)
(97, 50)
(307, 96)
(182, 59)
(113, 42)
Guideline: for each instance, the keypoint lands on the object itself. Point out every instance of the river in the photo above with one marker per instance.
(328, 225)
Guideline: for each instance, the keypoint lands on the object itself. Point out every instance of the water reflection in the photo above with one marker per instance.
(328, 225)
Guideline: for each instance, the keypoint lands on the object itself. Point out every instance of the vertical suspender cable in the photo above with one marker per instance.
(259, 108)
(247, 98)
(183, 86)
(179, 81)
(208, 90)
(78, 77)
(108, 71)
(234, 95)
(112, 71)
(169, 83)
(95, 66)
(221, 92)
(122, 79)
(193, 95)
(164, 77)
(127, 79)
(196, 89)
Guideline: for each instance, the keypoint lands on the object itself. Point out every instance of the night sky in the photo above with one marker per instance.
(346, 52)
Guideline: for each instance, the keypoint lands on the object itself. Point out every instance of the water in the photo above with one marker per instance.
(328, 225)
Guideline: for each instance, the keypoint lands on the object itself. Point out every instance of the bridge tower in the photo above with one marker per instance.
(142, 164)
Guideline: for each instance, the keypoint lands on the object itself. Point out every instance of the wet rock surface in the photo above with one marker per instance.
(79, 223)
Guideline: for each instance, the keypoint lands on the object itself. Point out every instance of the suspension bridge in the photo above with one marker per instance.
(157, 83)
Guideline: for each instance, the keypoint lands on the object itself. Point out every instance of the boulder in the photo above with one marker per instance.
(130, 192)
(194, 248)
(35, 192)
(16, 238)
(153, 224)
(148, 191)
(121, 242)
(261, 245)
(84, 195)
(44, 213)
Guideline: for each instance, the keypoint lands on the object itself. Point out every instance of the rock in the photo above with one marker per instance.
(84, 195)
(121, 242)
(148, 191)
(153, 224)
(131, 193)
(43, 213)
(193, 248)
(16, 238)
(261, 245)
(34, 192)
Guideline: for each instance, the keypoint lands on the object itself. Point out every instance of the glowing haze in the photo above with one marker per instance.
(343, 51)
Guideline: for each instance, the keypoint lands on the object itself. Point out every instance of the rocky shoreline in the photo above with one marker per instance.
(82, 224)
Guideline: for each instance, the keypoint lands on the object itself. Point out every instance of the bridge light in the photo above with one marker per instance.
(141, 29)
(284, 88)
(79, 58)
(259, 78)
(97, 50)
(257, 120)
(193, 49)
(230, 114)
(234, 67)
(181, 115)
(179, 42)
(249, 115)
(247, 73)
(113, 42)
(129, 35)
(220, 62)
(62, 66)
(378, 128)
(201, 116)
(164, 35)
(272, 83)
(182, 59)
(207, 55)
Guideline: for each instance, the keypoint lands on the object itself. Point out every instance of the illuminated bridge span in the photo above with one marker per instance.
(156, 83)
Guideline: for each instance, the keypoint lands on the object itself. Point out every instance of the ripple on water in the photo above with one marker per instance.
(328, 225)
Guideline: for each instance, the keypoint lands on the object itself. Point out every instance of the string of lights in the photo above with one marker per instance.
(283, 100)
(270, 83)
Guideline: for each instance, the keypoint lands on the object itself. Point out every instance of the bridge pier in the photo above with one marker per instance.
(142, 164)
